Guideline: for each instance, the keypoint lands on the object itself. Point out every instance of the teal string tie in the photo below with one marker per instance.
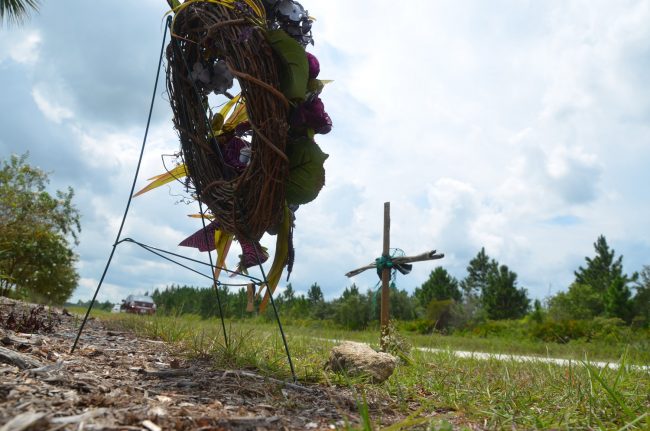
(384, 262)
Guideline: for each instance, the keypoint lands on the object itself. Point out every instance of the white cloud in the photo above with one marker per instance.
(522, 127)
(22, 47)
(51, 109)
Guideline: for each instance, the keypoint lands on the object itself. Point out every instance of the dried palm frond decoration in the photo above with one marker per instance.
(255, 160)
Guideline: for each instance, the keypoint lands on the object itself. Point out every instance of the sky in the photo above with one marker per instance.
(518, 126)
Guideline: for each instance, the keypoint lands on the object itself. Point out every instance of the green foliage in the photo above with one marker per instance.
(83, 305)
(401, 304)
(203, 302)
(306, 171)
(597, 330)
(353, 309)
(289, 295)
(538, 314)
(315, 294)
(439, 286)
(420, 326)
(295, 69)
(318, 308)
(562, 331)
(513, 329)
(501, 298)
(36, 229)
(618, 300)
(581, 301)
(492, 306)
(603, 269)
(600, 289)
(641, 301)
(440, 313)
(17, 10)
(477, 275)
(491, 289)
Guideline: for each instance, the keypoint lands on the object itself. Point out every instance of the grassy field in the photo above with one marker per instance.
(638, 351)
(437, 390)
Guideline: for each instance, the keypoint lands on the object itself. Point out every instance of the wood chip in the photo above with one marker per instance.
(90, 414)
(58, 365)
(164, 374)
(151, 426)
(24, 421)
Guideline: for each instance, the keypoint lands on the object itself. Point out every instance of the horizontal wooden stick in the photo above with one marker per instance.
(429, 255)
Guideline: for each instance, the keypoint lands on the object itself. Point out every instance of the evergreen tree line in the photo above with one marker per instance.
(489, 292)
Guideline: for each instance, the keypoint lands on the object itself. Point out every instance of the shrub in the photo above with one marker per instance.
(439, 312)
(421, 326)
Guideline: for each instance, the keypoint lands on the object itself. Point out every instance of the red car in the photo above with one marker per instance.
(139, 304)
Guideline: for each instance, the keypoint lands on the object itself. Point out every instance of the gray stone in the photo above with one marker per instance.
(357, 359)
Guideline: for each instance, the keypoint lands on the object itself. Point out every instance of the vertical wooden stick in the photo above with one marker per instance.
(385, 278)
(250, 294)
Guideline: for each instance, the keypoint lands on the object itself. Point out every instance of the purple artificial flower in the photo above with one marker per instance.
(249, 255)
(312, 114)
(233, 153)
(203, 239)
(314, 66)
(243, 128)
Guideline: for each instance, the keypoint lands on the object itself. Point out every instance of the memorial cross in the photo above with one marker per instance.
(386, 264)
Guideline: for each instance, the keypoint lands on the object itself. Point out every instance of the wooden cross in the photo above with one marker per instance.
(385, 273)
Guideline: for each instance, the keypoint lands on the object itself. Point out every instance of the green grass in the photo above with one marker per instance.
(440, 387)
(638, 351)
(81, 311)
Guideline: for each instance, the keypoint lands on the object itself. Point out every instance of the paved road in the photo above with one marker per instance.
(524, 358)
(518, 358)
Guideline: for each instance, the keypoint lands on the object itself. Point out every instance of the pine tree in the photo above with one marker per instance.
(618, 300)
(603, 269)
(501, 298)
(289, 295)
(641, 301)
(478, 271)
(604, 274)
(315, 294)
(439, 286)
(537, 315)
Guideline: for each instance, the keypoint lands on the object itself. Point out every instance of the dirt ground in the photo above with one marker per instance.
(117, 381)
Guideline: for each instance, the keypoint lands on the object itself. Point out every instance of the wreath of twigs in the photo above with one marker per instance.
(243, 203)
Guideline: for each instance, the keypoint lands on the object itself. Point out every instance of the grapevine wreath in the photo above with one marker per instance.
(255, 160)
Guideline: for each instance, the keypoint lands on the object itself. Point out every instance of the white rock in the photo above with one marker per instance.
(359, 359)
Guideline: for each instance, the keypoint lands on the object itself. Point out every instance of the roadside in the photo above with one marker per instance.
(116, 380)
(509, 357)
(436, 390)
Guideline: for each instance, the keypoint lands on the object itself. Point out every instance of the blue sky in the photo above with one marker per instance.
(520, 126)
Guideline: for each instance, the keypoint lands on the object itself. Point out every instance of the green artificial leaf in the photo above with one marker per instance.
(317, 85)
(294, 73)
(306, 171)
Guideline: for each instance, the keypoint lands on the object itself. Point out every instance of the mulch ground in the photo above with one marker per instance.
(118, 381)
